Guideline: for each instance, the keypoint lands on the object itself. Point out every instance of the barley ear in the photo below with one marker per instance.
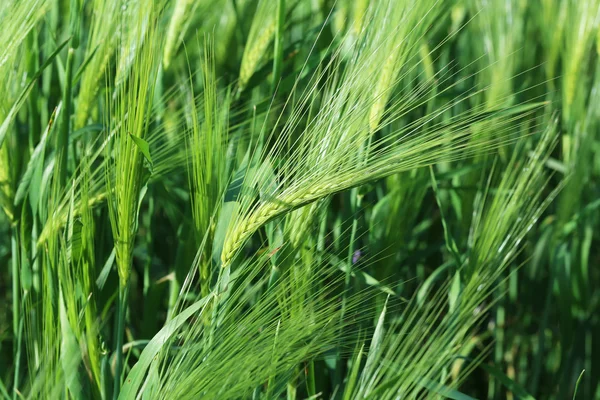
(261, 35)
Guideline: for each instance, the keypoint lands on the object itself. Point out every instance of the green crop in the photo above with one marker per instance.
(299, 199)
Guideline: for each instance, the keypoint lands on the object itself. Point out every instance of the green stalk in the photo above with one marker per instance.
(32, 66)
(278, 47)
(355, 207)
(15, 280)
(351, 248)
(3, 390)
(174, 288)
(18, 360)
(291, 386)
(541, 352)
(500, 339)
(121, 314)
(311, 385)
(15, 304)
(62, 139)
(356, 204)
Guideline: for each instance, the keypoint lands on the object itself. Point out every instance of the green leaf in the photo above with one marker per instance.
(445, 391)
(74, 228)
(141, 196)
(511, 385)
(70, 355)
(376, 345)
(436, 387)
(23, 95)
(278, 44)
(3, 391)
(144, 147)
(577, 384)
(106, 270)
(85, 64)
(352, 378)
(426, 286)
(454, 293)
(508, 383)
(45, 188)
(153, 380)
(136, 376)
(26, 275)
(31, 179)
(76, 134)
(450, 242)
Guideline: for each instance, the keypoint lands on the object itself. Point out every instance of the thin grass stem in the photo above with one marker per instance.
(120, 332)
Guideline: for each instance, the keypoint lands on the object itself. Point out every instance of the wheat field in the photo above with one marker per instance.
(299, 199)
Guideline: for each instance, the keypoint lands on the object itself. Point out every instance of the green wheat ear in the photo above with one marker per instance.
(207, 150)
(180, 10)
(262, 32)
(330, 155)
(103, 39)
(344, 199)
(130, 119)
(582, 21)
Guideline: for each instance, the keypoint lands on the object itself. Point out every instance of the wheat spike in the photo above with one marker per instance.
(259, 39)
(382, 91)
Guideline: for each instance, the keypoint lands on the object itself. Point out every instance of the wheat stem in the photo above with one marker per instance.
(63, 135)
(121, 314)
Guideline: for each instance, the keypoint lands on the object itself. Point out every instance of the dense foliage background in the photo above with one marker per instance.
(299, 199)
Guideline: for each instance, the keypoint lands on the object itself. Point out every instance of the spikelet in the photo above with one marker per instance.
(340, 16)
(360, 11)
(299, 222)
(259, 39)
(404, 27)
(424, 150)
(267, 211)
(102, 41)
(179, 13)
(131, 119)
(584, 17)
(427, 61)
(382, 90)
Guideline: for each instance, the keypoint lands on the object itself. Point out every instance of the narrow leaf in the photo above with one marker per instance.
(70, 355)
(143, 146)
(21, 99)
(135, 377)
(33, 173)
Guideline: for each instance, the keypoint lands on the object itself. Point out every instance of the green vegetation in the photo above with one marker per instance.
(299, 199)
